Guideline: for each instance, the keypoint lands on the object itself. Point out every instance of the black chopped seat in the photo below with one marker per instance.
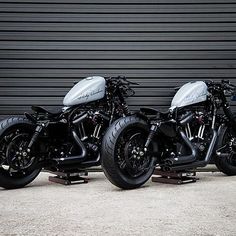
(42, 110)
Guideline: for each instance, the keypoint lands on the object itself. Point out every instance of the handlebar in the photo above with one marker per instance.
(125, 80)
(224, 85)
(229, 86)
(122, 85)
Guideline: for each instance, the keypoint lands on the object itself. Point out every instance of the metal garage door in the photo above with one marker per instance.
(47, 44)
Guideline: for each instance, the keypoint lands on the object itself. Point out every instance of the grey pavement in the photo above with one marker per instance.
(207, 207)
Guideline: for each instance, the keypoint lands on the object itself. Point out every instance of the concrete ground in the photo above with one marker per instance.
(207, 207)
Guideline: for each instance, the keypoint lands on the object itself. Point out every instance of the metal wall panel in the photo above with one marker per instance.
(46, 45)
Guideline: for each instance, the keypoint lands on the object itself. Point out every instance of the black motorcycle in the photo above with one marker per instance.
(198, 126)
(63, 140)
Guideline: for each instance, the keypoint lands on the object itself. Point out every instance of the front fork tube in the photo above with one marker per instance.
(230, 116)
(153, 131)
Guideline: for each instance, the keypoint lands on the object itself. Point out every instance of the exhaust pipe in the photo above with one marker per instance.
(74, 159)
(200, 163)
(95, 162)
(185, 159)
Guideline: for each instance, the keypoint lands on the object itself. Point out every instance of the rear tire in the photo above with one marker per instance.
(110, 153)
(8, 182)
(17, 179)
(224, 164)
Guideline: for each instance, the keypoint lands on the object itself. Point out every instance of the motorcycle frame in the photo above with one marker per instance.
(43, 121)
(168, 125)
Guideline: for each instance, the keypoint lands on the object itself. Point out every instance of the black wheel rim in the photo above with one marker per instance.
(229, 142)
(15, 164)
(132, 159)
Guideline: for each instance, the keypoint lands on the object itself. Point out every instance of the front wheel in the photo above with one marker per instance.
(226, 162)
(125, 161)
(18, 166)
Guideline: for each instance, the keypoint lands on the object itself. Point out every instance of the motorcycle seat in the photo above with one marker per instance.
(43, 110)
(152, 111)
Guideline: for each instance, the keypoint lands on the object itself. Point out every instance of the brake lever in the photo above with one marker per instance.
(130, 82)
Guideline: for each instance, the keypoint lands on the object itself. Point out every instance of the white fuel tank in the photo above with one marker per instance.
(190, 93)
(87, 90)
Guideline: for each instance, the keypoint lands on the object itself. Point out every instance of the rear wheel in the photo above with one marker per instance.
(125, 161)
(226, 162)
(18, 166)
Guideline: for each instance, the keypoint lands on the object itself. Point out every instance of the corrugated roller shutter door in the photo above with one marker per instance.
(46, 45)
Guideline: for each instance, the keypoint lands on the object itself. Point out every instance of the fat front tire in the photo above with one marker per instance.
(227, 165)
(135, 129)
(17, 179)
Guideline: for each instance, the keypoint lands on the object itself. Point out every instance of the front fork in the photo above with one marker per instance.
(228, 112)
(230, 116)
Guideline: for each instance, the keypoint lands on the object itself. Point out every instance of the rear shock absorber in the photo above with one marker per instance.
(126, 109)
(37, 132)
(153, 131)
